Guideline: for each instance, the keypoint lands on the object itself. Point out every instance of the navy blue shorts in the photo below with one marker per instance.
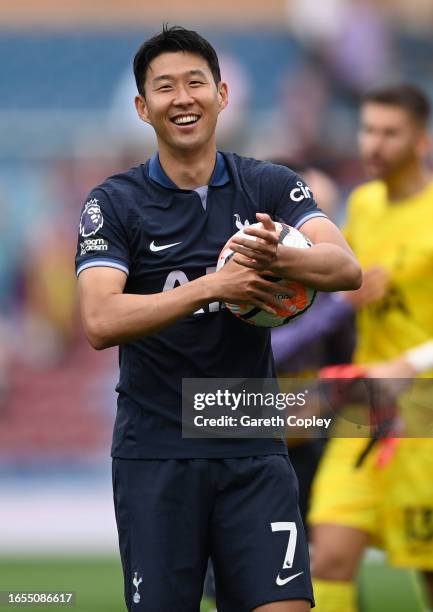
(173, 514)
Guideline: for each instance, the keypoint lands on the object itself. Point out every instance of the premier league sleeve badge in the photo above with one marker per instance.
(91, 218)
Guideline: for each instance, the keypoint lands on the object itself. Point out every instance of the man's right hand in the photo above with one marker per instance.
(237, 284)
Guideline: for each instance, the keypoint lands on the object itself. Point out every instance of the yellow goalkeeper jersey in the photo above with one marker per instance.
(399, 237)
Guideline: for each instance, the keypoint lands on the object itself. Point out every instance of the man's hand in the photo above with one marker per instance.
(391, 378)
(374, 287)
(239, 284)
(259, 254)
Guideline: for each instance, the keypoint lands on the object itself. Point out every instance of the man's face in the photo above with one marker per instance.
(389, 139)
(181, 101)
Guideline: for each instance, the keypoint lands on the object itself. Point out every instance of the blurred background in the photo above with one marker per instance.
(295, 70)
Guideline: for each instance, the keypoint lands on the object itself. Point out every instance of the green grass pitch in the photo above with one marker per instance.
(98, 584)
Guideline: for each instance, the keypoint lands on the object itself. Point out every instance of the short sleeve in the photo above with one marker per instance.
(102, 239)
(296, 203)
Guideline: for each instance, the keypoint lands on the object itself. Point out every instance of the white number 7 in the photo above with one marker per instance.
(289, 526)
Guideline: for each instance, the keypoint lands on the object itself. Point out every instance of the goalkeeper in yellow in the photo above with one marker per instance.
(389, 227)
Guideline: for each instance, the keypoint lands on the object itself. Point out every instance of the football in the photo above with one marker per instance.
(297, 304)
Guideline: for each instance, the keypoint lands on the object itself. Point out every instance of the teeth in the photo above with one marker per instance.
(186, 119)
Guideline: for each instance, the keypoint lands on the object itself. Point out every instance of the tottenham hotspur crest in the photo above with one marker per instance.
(136, 582)
(239, 223)
(91, 219)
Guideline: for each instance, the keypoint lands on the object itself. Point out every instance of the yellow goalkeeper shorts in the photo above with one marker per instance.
(392, 502)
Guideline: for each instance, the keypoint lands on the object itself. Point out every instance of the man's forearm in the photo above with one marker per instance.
(325, 266)
(123, 317)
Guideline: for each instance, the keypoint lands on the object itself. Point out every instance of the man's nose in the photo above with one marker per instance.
(183, 97)
(372, 145)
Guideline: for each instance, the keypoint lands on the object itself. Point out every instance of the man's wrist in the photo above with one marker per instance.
(208, 288)
(281, 266)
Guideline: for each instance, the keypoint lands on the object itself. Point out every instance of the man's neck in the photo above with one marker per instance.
(190, 169)
(408, 182)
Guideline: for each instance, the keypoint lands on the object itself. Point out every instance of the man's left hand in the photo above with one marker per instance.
(261, 253)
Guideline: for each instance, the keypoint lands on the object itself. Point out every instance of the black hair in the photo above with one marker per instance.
(171, 40)
(406, 96)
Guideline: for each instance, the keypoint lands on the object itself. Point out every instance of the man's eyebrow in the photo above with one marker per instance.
(169, 77)
(197, 72)
(162, 77)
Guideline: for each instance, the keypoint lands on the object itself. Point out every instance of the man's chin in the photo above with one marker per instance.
(376, 171)
(188, 144)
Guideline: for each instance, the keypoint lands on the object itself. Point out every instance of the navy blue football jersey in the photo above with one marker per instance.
(161, 236)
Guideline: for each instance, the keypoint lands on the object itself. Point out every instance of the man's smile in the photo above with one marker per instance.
(185, 119)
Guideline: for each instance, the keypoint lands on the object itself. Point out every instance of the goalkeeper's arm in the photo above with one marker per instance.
(420, 357)
(417, 360)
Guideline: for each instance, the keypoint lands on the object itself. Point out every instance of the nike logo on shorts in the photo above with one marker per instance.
(283, 581)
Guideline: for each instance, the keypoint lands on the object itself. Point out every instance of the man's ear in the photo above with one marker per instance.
(223, 96)
(424, 145)
(141, 107)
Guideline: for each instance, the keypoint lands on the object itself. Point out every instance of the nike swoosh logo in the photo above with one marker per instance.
(162, 247)
(283, 581)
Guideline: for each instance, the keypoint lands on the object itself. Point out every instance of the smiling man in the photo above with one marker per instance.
(153, 291)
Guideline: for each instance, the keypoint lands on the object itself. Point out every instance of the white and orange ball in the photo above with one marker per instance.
(296, 305)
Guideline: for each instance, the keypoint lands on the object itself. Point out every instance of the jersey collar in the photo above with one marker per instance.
(220, 175)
